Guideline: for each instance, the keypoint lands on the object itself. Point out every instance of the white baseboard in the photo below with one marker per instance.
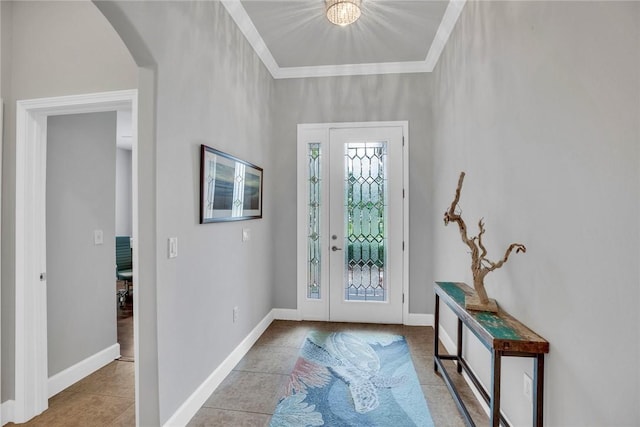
(414, 319)
(419, 319)
(451, 349)
(75, 373)
(6, 410)
(448, 343)
(286, 314)
(188, 409)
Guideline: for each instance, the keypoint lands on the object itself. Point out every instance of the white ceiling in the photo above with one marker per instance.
(294, 38)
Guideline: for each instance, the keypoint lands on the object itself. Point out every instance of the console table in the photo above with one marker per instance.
(501, 334)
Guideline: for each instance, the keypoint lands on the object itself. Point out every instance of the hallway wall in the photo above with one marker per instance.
(539, 102)
(49, 49)
(123, 193)
(354, 99)
(211, 89)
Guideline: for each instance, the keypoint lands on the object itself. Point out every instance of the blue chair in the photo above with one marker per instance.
(124, 267)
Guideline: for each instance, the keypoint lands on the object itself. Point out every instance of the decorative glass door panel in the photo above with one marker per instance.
(365, 217)
(314, 255)
(350, 222)
(365, 225)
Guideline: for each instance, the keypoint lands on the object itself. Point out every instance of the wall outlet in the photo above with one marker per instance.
(173, 247)
(528, 388)
(235, 314)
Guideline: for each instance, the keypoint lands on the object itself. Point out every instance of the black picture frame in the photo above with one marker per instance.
(230, 188)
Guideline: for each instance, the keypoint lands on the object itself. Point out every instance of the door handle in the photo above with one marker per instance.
(335, 248)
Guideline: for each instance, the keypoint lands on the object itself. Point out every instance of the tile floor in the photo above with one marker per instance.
(249, 395)
(104, 398)
(125, 330)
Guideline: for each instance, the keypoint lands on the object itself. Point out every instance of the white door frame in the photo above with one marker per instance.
(1, 145)
(31, 374)
(309, 309)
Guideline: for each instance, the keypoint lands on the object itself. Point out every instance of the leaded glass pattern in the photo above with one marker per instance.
(365, 205)
(313, 240)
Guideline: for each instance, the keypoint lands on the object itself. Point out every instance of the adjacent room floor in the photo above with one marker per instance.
(249, 395)
(125, 330)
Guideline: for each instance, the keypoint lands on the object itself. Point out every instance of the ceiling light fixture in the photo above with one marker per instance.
(343, 12)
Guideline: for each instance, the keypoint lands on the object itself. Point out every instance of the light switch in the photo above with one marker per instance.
(98, 237)
(173, 247)
(246, 234)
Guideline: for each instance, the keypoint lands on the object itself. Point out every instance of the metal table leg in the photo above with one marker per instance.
(436, 339)
(459, 349)
(538, 390)
(496, 360)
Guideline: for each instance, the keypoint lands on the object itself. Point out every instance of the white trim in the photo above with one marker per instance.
(451, 348)
(1, 145)
(7, 409)
(446, 340)
(83, 103)
(242, 20)
(405, 222)
(319, 132)
(449, 19)
(84, 368)
(188, 409)
(246, 26)
(31, 392)
(286, 314)
(419, 319)
(310, 309)
(31, 377)
(352, 70)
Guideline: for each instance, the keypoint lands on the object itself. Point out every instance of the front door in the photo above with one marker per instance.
(354, 225)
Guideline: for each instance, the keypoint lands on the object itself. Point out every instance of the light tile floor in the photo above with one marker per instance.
(104, 398)
(249, 395)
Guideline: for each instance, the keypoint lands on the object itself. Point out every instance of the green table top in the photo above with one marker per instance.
(496, 330)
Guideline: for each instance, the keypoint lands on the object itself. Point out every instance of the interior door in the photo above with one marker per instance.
(365, 224)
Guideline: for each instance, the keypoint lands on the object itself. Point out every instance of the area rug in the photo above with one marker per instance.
(353, 379)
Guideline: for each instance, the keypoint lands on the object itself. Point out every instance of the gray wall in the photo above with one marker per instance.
(81, 303)
(354, 99)
(7, 335)
(525, 94)
(52, 49)
(539, 102)
(123, 192)
(211, 89)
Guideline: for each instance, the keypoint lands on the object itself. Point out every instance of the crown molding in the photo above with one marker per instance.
(449, 19)
(242, 19)
(352, 70)
(239, 15)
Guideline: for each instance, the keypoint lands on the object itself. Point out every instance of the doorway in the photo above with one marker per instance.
(124, 233)
(33, 386)
(352, 208)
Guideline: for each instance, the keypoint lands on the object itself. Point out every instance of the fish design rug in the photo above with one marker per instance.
(353, 379)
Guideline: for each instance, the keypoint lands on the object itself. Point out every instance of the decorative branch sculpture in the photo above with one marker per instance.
(480, 264)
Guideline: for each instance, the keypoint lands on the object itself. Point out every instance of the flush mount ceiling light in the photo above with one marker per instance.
(343, 12)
